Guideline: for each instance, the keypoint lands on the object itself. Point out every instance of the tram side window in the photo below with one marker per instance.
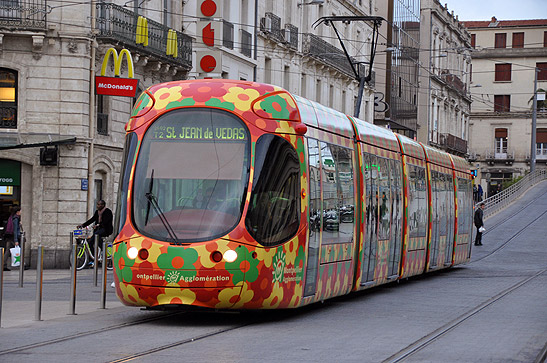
(384, 198)
(274, 207)
(464, 215)
(417, 201)
(129, 153)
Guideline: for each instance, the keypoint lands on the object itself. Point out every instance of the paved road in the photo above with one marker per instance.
(493, 309)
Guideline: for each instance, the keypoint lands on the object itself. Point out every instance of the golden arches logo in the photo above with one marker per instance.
(172, 44)
(142, 31)
(118, 61)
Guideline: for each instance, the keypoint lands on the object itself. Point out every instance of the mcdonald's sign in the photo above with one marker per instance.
(117, 86)
(172, 44)
(142, 31)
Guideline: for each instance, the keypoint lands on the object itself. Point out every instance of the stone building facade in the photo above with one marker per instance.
(444, 99)
(505, 57)
(61, 141)
(61, 144)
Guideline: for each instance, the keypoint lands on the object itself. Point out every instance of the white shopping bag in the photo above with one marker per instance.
(15, 256)
(482, 229)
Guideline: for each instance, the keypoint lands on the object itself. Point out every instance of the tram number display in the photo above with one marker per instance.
(199, 133)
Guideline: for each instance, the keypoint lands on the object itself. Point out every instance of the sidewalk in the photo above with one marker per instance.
(18, 305)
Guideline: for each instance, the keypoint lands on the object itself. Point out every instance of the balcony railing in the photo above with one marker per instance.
(453, 81)
(227, 34)
(119, 25)
(500, 156)
(453, 143)
(329, 54)
(25, 14)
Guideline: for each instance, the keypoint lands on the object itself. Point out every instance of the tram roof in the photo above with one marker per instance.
(437, 157)
(411, 148)
(460, 164)
(376, 135)
(316, 115)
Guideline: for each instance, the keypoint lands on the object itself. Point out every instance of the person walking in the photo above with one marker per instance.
(103, 223)
(479, 223)
(12, 234)
(480, 191)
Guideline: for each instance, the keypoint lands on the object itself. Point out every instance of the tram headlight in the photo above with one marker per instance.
(132, 253)
(230, 256)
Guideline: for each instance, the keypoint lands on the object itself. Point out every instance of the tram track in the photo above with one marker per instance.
(430, 338)
(89, 333)
(177, 343)
(426, 340)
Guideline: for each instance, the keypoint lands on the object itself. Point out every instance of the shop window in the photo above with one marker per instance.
(541, 143)
(8, 99)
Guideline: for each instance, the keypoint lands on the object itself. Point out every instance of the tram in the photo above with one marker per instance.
(241, 195)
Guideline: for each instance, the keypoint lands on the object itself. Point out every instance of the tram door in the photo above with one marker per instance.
(315, 221)
(449, 186)
(371, 232)
(435, 205)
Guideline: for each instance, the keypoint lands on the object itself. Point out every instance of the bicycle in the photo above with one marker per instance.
(84, 254)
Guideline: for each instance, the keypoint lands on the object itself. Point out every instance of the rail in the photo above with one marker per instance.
(502, 199)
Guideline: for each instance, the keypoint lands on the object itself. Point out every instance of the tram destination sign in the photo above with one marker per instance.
(116, 86)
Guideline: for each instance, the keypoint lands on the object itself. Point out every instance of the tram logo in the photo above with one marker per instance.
(279, 267)
(172, 277)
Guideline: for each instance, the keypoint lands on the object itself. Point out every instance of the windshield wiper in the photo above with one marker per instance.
(152, 200)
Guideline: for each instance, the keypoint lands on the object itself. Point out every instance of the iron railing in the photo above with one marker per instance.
(23, 14)
(333, 56)
(502, 199)
(453, 143)
(118, 24)
(291, 36)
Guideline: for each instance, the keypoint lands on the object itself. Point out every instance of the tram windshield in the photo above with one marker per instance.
(191, 175)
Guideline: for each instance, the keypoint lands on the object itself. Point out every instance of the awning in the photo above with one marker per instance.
(11, 140)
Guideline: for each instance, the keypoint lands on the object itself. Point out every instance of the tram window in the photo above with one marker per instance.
(274, 208)
(129, 153)
(418, 210)
(464, 206)
(195, 164)
(384, 199)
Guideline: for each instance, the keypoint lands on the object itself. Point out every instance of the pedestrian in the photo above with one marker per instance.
(480, 193)
(475, 194)
(12, 234)
(103, 223)
(479, 223)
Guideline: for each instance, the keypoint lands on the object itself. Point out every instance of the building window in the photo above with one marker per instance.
(541, 143)
(167, 11)
(286, 77)
(503, 72)
(473, 40)
(318, 91)
(267, 70)
(8, 99)
(500, 141)
(501, 40)
(303, 85)
(545, 39)
(502, 103)
(102, 116)
(542, 74)
(518, 40)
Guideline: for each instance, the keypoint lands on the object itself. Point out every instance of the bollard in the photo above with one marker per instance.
(39, 284)
(22, 259)
(103, 288)
(96, 259)
(72, 307)
(1, 282)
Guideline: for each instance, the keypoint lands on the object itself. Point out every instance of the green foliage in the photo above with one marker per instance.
(508, 183)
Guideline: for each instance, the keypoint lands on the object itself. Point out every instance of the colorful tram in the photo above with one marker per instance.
(239, 195)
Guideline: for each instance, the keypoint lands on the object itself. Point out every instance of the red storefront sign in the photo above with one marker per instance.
(116, 86)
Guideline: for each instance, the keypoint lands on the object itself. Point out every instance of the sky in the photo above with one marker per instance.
(501, 9)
